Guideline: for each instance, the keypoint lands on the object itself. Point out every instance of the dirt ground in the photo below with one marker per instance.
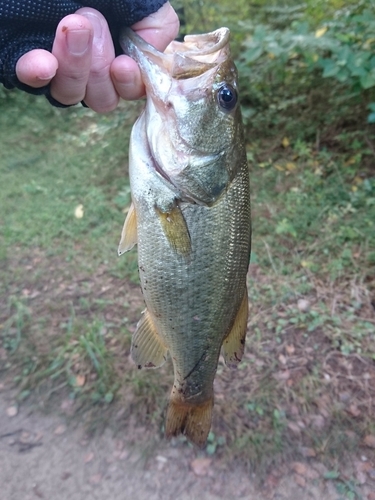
(47, 457)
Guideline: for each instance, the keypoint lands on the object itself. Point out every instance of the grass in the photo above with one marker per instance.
(70, 305)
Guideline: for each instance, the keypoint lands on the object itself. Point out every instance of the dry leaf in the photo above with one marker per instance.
(80, 380)
(307, 452)
(300, 480)
(320, 32)
(95, 479)
(369, 441)
(291, 166)
(353, 410)
(299, 468)
(12, 411)
(200, 466)
(303, 304)
(281, 376)
(285, 142)
(290, 349)
(294, 428)
(88, 458)
(78, 212)
(60, 430)
(282, 359)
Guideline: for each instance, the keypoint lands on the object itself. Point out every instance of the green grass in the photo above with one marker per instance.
(70, 304)
(56, 160)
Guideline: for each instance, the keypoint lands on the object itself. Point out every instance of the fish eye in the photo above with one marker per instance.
(227, 97)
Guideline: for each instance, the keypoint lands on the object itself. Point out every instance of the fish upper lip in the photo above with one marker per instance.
(179, 57)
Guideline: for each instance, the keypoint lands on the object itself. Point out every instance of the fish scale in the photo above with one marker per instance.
(191, 221)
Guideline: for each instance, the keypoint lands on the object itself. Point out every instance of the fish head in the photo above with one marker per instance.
(192, 116)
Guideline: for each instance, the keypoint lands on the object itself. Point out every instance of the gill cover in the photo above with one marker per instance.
(192, 111)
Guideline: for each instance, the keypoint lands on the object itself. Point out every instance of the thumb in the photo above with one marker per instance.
(160, 28)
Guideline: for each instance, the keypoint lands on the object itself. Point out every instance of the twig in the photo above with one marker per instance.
(270, 256)
(369, 143)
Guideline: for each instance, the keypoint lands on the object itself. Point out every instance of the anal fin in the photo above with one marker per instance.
(192, 420)
(148, 349)
(176, 230)
(129, 232)
(234, 342)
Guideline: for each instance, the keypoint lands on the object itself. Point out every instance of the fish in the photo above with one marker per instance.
(190, 219)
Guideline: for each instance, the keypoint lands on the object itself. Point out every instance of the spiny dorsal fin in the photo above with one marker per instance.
(234, 342)
(148, 349)
(129, 232)
(176, 230)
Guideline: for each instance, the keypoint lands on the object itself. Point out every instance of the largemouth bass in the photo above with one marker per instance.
(190, 217)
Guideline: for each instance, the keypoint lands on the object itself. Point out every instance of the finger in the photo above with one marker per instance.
(126, 78)
(101, 94)
(72, 48)
(158, 29)
(36, 68)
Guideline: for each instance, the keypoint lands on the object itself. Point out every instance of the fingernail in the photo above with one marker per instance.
(78, 41)
(127, 78)
(95, 23)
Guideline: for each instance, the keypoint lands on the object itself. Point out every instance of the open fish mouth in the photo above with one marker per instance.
(181, 60)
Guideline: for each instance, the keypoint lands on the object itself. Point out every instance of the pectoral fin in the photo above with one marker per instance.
(176, 230)
(148, 349)
(129, 232)
(234, 343)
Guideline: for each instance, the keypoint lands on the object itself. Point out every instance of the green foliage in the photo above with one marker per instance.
(318, 75)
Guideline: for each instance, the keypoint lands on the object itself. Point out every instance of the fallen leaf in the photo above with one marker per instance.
(360, 477)
(200, 466)
(300, 480)
(78, 212)
(80, 380)
(67, 406)
(299, 468)
(95, 479)
(124, 455)
(282, 359)
(294, 428)
(291, 166)
(290, 349)
(285, 142)
(307, 452)
(281, 376)
(12, 411)
(317, 421)
(353, 410)
(38, 437)
(88, 458)
(320, 32)
(59, 430)
(369, 441)
(303, 304)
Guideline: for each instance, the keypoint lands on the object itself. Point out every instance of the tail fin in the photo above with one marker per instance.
(193, 421)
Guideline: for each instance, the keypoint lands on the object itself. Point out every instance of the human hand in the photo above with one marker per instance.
(82, 65)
